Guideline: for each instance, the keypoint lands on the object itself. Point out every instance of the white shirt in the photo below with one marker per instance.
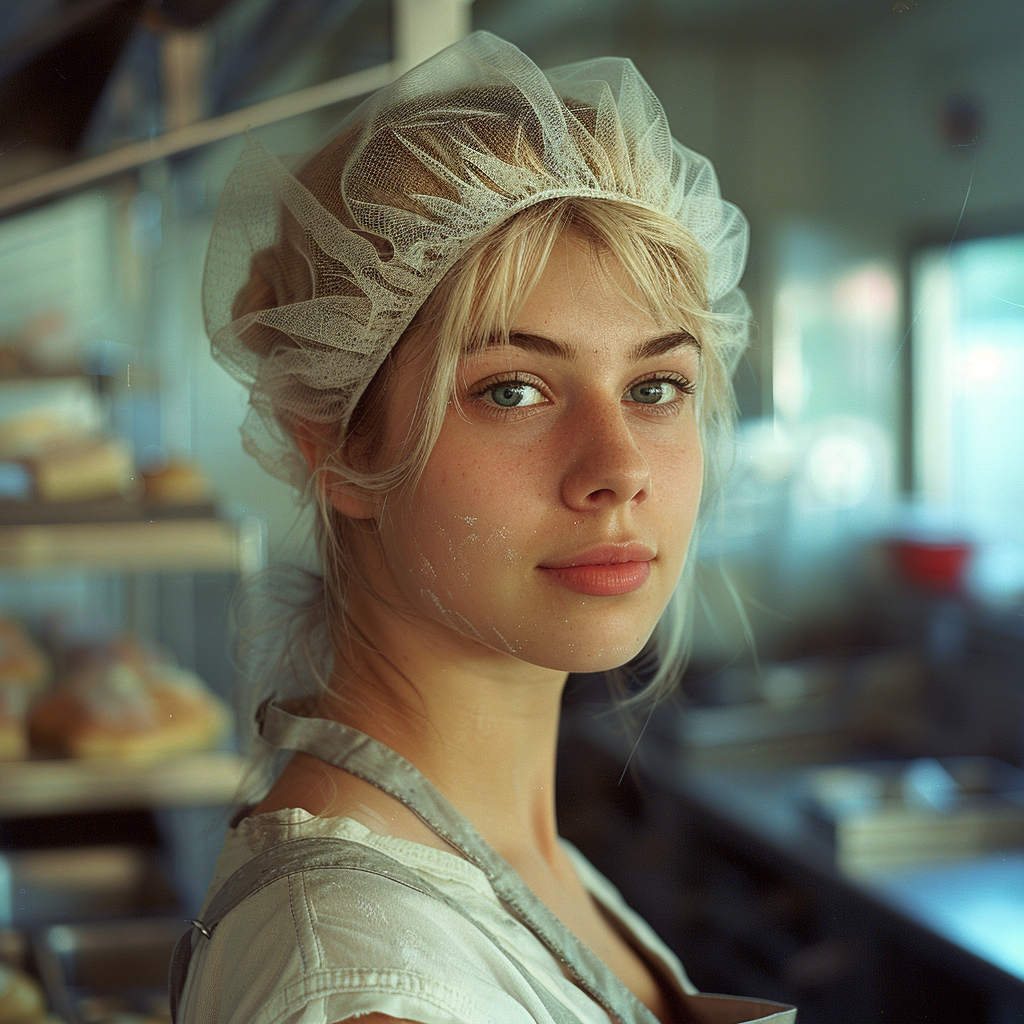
(304, 950)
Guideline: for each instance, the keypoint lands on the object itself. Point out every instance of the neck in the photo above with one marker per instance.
(480, 725)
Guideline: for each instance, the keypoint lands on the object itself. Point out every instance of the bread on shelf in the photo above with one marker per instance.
(54, 445)
(177, 482)
(74, 468)
(127, 706)
(21, 998)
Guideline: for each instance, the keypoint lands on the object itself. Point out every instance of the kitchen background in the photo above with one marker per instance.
(833, 812)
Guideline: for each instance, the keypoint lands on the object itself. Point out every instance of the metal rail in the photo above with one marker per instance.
(201, 133)
(421, 28)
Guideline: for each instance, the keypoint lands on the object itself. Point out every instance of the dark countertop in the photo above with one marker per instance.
(976, 905)
(973, 908)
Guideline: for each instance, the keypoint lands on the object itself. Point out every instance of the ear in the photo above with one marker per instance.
(349, 499)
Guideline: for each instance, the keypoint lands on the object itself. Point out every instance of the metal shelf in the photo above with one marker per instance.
(158, 545)
(33, 788)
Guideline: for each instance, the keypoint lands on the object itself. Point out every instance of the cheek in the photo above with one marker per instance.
(693, 471)
(677, 466)
(493, 486)
(678, 483)
(694, 477)
(460, 522)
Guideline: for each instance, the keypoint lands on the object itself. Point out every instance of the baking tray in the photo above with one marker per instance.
(44, 886)
(885, 815)
(93, 972)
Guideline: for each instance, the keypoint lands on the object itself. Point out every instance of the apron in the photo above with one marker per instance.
(375, 763)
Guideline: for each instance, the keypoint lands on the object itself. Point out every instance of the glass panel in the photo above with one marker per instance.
(968, 384)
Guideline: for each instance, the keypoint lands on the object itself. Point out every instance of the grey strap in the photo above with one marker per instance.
(373, 762)
(325, 852)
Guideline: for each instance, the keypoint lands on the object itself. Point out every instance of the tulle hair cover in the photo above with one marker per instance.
(312, 277)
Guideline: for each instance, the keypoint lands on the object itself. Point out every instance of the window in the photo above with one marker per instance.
(968, 384)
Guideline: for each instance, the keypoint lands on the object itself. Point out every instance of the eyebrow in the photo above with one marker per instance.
(649, 349)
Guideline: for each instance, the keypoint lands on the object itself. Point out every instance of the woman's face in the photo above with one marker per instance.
(554, 514)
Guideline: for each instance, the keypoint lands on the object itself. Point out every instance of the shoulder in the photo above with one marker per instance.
(356, 915)
(325, 791)
(352, 942)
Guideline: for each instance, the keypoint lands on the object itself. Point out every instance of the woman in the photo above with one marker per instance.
(488, 327)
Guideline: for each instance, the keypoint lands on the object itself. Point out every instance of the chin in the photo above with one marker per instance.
(589, 666)
(582, 656)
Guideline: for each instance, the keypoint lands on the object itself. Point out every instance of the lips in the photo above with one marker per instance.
(605, 554)
(605, 571)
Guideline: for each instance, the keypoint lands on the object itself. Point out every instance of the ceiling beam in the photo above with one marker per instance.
(201, 133)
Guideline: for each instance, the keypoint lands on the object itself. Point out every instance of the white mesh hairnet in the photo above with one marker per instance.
(312, 277)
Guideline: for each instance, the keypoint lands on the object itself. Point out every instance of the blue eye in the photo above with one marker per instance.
(513, 393)
(653, 392)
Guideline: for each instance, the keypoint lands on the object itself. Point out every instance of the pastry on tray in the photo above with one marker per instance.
(127, 705)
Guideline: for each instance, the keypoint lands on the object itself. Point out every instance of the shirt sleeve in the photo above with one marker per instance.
(324, 946)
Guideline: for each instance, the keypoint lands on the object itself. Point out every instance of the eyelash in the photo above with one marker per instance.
(684, 385)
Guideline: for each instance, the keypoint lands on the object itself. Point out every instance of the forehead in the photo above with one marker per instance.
(581, 272)
(585, 298)
(570, 281)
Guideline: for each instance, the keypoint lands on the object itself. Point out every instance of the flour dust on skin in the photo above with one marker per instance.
(460, 550)
(455, 619)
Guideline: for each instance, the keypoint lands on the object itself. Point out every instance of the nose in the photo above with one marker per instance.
(606, 468)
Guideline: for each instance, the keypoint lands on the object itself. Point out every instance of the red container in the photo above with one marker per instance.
(932, 565)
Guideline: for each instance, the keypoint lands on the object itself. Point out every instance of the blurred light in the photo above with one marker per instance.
(997, 572)
(841, 470)
(968, 381)
(868, 295)
(767, 448)
(790, 381)
(984, 365)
